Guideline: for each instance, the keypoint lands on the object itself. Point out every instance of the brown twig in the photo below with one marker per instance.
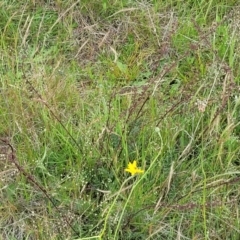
(54, 115)
(12, 158)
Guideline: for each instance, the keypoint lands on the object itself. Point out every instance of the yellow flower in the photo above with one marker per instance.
(133, 169)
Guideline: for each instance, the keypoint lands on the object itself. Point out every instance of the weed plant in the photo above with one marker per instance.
(89, 88)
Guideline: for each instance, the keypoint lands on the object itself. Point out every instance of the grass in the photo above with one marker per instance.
(89, 86)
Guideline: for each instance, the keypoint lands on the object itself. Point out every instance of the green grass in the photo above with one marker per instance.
(89, 86)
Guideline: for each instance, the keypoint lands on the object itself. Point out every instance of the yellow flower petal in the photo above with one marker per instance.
(133, 169)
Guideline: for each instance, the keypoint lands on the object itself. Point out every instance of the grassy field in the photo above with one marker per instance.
(90, 86)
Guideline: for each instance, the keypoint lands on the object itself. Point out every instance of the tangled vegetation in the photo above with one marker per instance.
(119, 119)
